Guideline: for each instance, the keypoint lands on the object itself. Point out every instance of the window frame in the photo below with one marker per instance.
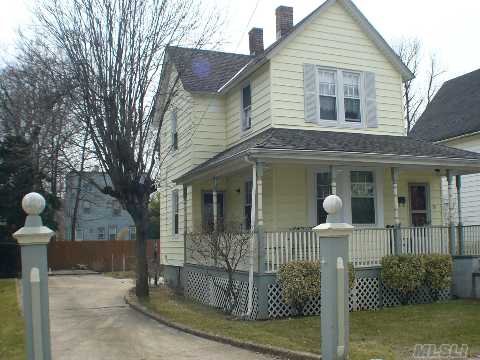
(375, 202)
(204, 213)
(243, 108)
(110, 233)
(101, 230)
(175, 213)
(340, 98)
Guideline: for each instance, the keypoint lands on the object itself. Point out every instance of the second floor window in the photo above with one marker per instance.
(246, 107)
(351, 96)
(174, 129)
(327, 84)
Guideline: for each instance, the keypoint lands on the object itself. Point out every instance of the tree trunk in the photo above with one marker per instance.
(141, 224)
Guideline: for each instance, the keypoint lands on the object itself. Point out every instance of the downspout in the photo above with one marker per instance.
(253, 222)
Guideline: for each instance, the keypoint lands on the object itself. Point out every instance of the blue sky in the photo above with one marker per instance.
(448, 28)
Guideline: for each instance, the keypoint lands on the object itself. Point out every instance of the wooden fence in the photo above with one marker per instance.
(98, 255)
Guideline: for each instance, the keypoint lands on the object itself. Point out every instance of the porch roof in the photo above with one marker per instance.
(282, 143)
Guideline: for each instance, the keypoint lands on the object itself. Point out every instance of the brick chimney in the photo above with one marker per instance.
(284, 15)
(255, 41)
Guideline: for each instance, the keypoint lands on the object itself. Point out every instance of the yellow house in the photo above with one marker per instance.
(267, 136)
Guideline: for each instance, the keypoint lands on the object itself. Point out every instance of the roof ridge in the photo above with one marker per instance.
(208, 50)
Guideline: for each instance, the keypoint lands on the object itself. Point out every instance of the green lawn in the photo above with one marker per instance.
(11, 320)
(387, 334)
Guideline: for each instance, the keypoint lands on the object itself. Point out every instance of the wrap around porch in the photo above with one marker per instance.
(274, 184)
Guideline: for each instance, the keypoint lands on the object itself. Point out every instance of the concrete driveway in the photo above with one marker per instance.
(89, 320)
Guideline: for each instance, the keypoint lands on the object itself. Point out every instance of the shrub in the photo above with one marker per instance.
(300, 282)
(438, 273)
(404, 273)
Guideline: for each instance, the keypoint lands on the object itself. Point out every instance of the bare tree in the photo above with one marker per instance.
(415, 96)
(226, 248)
(116, 51)
(409, 51)
(434, 76)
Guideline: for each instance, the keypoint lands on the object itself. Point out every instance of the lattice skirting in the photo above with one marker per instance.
(209, 290)
(367, 294)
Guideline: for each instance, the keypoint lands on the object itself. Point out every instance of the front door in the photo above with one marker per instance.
(419, 214)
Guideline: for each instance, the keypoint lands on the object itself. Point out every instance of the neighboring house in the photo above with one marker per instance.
(453, 119)
(317, 112)
(99, 216)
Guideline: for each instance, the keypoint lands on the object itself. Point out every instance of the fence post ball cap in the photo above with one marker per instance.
(33, 203)
(332, 204)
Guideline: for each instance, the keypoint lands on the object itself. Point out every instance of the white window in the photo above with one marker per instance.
(132, 233)
(351, 96)
(246, 107)
(173, 124)
(363, 197)
(175, 213)
(327, 90)
(112, 232)
(247, 208)
(337, 97)
(101, 233)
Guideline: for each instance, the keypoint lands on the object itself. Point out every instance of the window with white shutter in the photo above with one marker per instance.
(174, 129)
(338, 97)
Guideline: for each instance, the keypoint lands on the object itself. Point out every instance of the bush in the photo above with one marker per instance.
(438, 273)
(300, 282)
(404, 273)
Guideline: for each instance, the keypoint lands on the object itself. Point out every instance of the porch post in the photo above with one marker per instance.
(458, 181)
(397, 233)
(253, 225)
(259, 228)
(451, 216)
(185, 222)
(214, 203)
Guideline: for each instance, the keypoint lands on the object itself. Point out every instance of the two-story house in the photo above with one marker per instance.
(272, 133)
(98, 216)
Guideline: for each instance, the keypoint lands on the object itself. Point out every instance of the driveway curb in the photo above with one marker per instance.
(132, 301)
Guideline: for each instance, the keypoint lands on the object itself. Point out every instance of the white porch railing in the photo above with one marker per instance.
(471, 239)
(367, 246)
(425, 240)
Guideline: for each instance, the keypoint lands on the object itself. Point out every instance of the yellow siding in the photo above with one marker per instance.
(334, 39)
(288, 196)
(261, 107)
(174, 164)
(413, 177)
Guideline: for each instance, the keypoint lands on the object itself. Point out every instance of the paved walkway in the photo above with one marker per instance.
(89, 320)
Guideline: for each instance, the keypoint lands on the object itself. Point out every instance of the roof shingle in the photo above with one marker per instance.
(205, 70)
(333, 141)
(454, 111)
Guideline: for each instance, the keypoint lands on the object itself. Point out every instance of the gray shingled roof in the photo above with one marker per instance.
(330, 141)
(205, 70)
(454, 111)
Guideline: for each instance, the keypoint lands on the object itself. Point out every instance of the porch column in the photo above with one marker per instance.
(214, 203)
(451, 215)
(185, 222)
(253, 225)
(259, 228)
(397, 233)
(458, 182)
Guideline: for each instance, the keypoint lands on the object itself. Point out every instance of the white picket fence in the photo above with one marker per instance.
(367, 246)
(471, 239)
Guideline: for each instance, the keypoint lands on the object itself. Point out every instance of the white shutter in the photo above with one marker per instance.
(310, 93)
(370, 100)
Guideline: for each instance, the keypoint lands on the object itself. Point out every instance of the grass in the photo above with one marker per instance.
(121, 274)
(11, 329)
(387, 334)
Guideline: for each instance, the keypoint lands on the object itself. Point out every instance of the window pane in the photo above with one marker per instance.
(246, 97)
(323, 190)
(363, 197)
(328, 108)
(208, 208)
(352, 110)
(363, 210)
